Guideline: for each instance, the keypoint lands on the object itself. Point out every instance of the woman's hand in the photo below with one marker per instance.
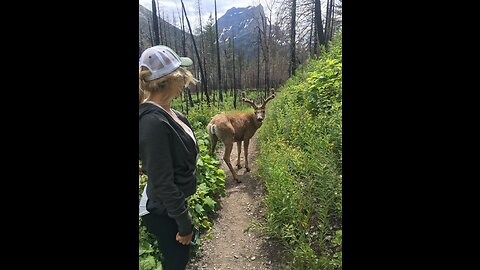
(185, 240)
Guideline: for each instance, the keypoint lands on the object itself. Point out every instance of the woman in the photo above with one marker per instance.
(168, 151)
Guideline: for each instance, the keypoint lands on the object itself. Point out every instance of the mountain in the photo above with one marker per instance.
(242, 22)
(145, 31)
(239, 21)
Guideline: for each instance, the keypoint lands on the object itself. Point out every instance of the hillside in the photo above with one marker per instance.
(145, 31)
(300, 161)
(242, 22)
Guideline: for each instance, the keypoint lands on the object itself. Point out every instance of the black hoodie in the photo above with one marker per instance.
(169, 158)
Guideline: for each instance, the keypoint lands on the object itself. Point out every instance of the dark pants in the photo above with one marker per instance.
(175, 255)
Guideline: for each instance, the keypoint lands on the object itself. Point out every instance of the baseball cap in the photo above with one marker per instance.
(161, 61)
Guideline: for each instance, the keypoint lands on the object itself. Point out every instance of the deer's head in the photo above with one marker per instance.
(259, 111)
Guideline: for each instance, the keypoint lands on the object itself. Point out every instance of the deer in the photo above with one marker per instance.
(238, 127)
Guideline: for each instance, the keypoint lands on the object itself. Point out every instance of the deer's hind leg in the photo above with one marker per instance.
(227, 134)
(213, 143)
(226, 157)
(213, 138)
(239, 149)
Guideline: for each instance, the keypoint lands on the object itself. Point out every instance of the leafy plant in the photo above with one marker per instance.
(210, 187)
(300, 161)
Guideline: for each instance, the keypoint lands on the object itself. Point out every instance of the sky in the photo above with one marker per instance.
(173, 7)
(207, 7)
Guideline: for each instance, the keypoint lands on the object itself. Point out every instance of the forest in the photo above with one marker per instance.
(258, 56)
(294, 47)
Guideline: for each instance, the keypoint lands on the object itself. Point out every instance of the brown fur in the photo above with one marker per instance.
(240, 127)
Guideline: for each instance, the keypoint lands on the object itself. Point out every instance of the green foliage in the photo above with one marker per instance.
(337, 255)
(149, 263)
(300, 161)
(210, 186)
(322, 94)
(149, 255)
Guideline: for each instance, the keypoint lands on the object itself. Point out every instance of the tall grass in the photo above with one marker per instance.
(300, 161)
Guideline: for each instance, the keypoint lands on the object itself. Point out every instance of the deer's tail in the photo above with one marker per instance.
(211, 129)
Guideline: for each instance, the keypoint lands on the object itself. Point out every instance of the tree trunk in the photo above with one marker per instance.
(156, 36)
(327, 22)
(265, 55)
(202, 45)
(318, 26)
(175, 33)
(258, 58)
(150, 32)
(197, 91)
(218, 57)
(293, 61)
(311, 35)
(225, 81)
(240, 60)
(332, 20)
(159, 23)
(198, 57)
(166, 30)
(184, 45)
(234, 84)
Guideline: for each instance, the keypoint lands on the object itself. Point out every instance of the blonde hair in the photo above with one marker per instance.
(147, 87)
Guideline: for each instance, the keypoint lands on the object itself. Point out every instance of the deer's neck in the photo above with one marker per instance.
(256, 123)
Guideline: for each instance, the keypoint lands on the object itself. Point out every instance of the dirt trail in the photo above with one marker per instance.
(236, 244)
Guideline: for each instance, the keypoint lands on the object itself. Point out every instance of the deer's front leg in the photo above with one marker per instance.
(245, 145)
(239, 148)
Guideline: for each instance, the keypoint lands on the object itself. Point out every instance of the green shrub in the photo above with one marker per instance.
(210, 186)
(300, 161)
